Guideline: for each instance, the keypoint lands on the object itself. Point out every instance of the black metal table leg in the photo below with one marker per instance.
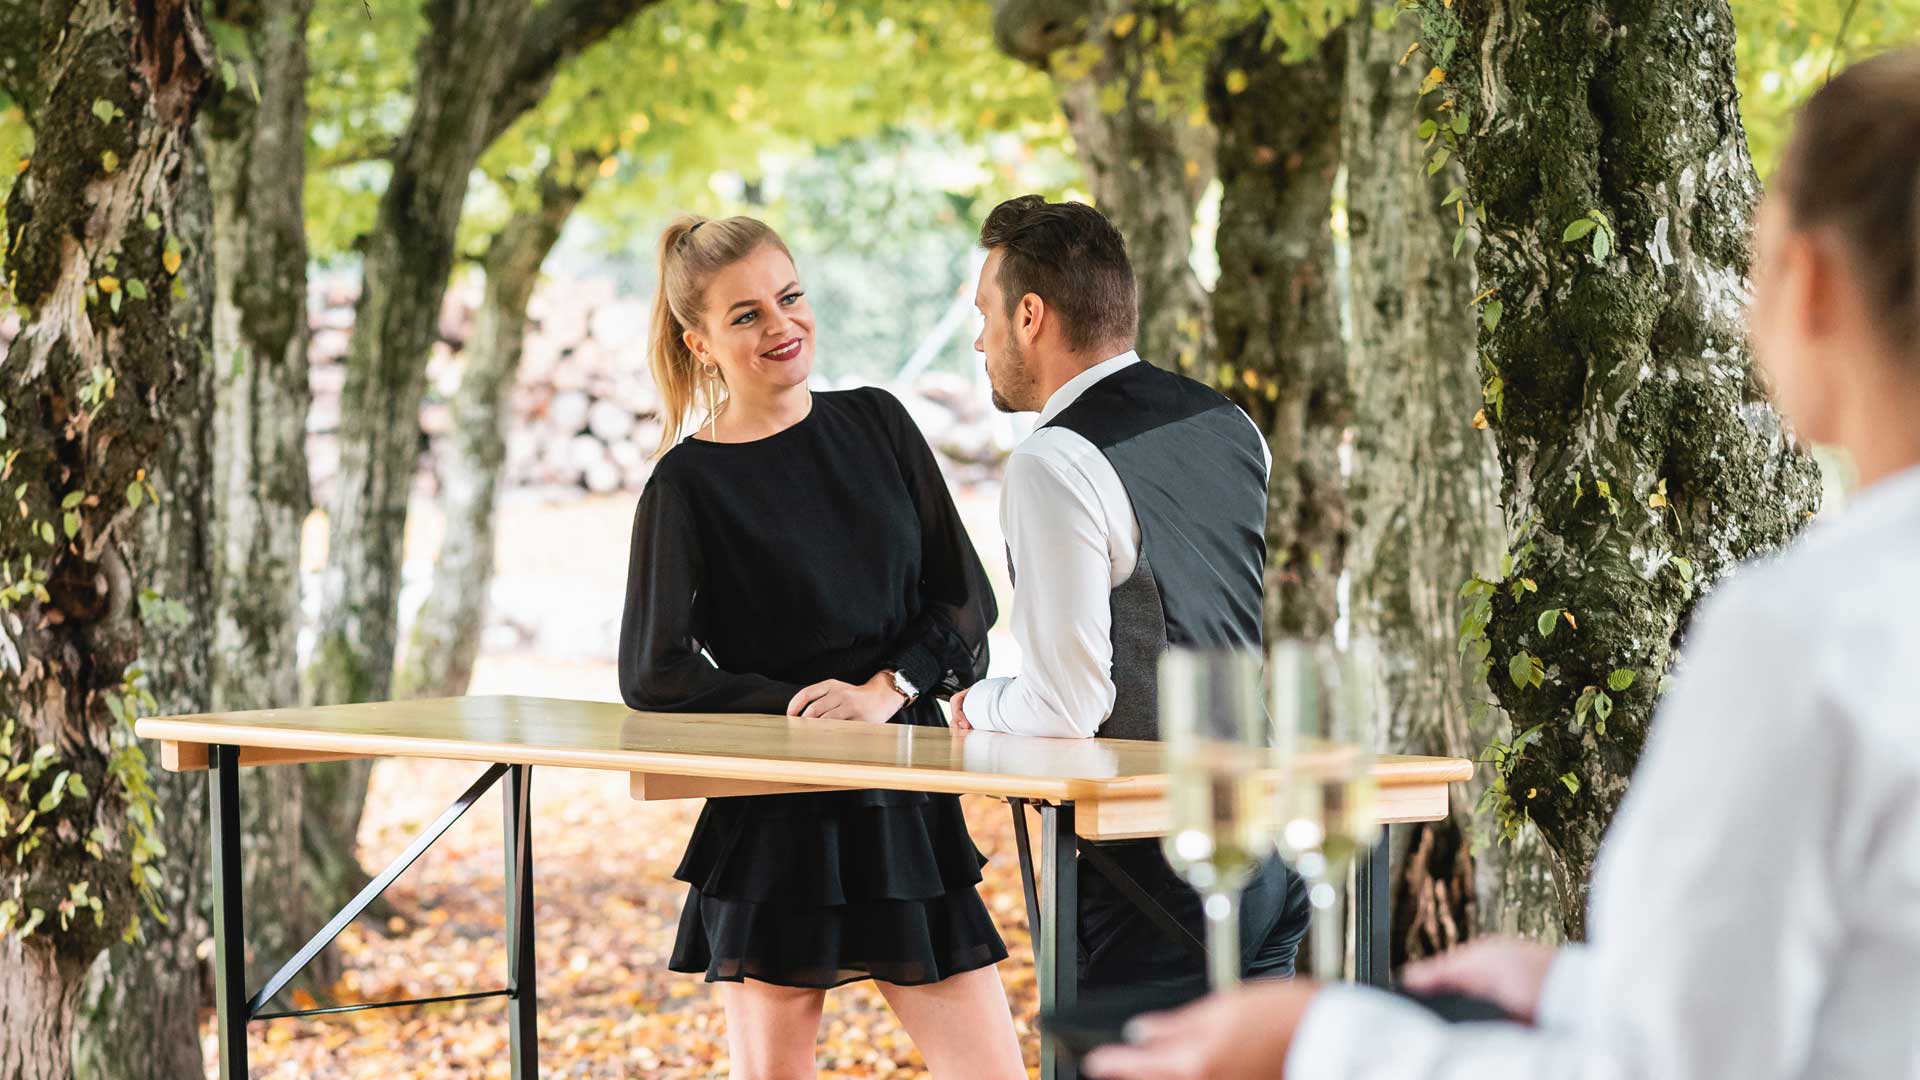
(229, 928)
(1373, 915)
(522, 997)
(1056, 951)
(1024, 845)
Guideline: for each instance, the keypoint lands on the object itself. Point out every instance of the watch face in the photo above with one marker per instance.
(905, 685)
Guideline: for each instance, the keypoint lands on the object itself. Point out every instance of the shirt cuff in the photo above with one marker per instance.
(1564, 996)
(983, 704)
(1345, 1027)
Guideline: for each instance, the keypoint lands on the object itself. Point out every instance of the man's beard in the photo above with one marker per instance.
(1019, 382)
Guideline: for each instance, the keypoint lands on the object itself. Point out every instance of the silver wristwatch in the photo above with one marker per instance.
(905, 686)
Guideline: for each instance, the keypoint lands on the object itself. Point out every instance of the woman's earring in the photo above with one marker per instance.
(713, 408)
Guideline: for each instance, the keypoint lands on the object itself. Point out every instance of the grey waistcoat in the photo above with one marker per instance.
(1195, 472)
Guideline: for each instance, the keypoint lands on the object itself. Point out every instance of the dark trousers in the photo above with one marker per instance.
(1122, 948)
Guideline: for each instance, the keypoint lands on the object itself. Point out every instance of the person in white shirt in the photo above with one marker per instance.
(1135, 521)
(1756, 907)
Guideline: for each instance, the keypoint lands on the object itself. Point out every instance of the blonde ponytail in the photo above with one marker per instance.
(692, 250)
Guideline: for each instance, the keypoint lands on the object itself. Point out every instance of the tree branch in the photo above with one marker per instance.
(556, 32)
(1030, 30)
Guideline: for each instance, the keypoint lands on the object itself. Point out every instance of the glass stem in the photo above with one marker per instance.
(1223, 938)
(1329, 929)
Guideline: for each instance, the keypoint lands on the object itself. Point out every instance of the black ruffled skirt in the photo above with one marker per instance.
(820, 889)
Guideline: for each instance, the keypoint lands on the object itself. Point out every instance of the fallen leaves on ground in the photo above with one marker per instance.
(605, 907)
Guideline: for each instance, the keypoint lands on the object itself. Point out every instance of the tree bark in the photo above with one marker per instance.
(446, 633)
(256, 148)
(1620, 360)
(94, 387)
(140, 1011)
(1275, 311)
(1425, 493)
(463, 95)
(1148, 161)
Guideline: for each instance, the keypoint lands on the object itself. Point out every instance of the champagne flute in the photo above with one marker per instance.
(1325, 710)
(1215, 737)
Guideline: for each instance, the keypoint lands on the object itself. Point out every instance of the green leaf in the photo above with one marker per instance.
(1620, 679)
(1571, 782)
(1685, 567)
(105, 110)
(133, 495)
(17, 772)
(1427, 130)
(1584, 705)
(72, 500)
(1520, 669)
(1602, 244)
(152, 221)
(1547, 621)
(1459, 240)
(1602, 707)
(71, 523)
(136, 288)
(1459, 123)
(109, 162)
(1439, 161)
(113, 301)
(1491, 315)
(76, 786)
(1454, 196)
(45, 529)
(1577, 230)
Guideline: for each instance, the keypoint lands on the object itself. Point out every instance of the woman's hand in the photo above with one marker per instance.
(1243, 1034)
(1508, 972)
(872, 702)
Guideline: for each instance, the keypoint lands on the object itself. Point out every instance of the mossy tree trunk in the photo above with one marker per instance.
(1148, 157)
(1425, 493)
(140, 1013)
(106, 375)
(1639, 457)
(481, 65)
(1276, 315)
(446, 633)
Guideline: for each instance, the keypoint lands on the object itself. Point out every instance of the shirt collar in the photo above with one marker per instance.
(1071, 390)
(1891, 496)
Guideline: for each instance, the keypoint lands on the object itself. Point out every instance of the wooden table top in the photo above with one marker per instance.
(775, 749)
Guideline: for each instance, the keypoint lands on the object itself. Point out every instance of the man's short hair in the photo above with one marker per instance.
(1070, 256)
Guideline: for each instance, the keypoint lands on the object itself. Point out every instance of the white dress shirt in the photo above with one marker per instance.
(1073, 537)
(1756, 906)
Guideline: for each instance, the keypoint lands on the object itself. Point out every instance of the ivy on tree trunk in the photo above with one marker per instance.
(107, 364)
(142, 1001)
(1639, 456)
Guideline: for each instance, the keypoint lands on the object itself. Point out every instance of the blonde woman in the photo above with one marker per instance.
(799, 553)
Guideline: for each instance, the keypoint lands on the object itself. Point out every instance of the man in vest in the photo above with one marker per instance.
(1135, 520)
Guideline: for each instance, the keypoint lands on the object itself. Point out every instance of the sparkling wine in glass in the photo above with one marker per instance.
(1215, 735)
(1325, 710)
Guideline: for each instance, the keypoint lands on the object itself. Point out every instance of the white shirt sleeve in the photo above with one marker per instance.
(1715, 917)
(1062, 618)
